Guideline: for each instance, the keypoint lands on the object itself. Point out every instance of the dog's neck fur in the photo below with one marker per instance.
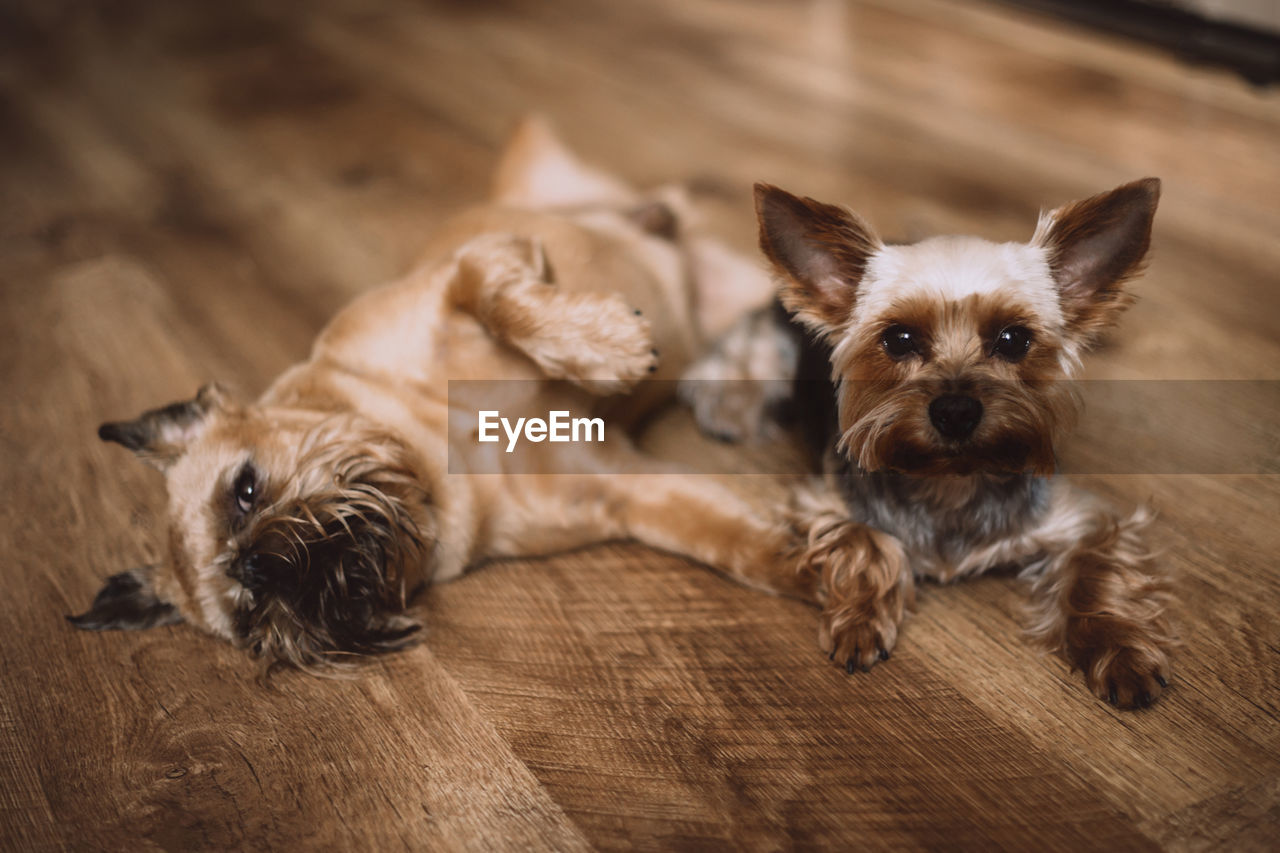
(943, 518)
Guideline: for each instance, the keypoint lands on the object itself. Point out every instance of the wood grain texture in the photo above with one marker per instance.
(187, 191)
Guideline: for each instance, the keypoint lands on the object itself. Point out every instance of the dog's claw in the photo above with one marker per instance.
(884, 653)
(849, 666)
(1130, 680)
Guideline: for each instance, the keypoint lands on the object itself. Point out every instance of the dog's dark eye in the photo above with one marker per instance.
(1012, 343)
(899, 342)
(245, 489)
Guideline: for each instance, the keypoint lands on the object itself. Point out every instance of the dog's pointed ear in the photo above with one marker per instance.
(1094, 246)
(538, 171)
(820, 250)
(126, 603)
(159, 436)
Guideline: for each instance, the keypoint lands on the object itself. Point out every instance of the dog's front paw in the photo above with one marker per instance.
(614, 352)
(865, 588)
(736, 389)
(1130, 671)
(857, 639)
(730, 409)
(594, 340)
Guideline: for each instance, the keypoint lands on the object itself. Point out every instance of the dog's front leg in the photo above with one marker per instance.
(595, 340)
(860, 576)
(736, 389)
(1100, 600)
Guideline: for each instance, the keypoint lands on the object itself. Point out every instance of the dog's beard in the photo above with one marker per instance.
(885, 426)
(324, 575)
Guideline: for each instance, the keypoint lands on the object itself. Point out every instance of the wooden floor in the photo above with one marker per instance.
(187, 190)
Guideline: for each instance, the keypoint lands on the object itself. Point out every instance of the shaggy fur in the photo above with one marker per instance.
(302, 523)
(949, 363)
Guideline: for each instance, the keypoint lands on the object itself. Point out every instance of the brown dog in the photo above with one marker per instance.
(301, 524)
(935, 384)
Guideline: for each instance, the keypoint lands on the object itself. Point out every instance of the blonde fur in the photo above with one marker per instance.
(301, 524)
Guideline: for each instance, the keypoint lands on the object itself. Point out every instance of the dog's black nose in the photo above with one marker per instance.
(955, 416)
(250, 570)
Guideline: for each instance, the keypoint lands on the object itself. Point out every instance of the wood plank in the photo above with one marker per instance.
(664, 708)
(185, 745)
(187, 192)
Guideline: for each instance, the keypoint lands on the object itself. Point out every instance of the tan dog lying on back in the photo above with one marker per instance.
(300, 524)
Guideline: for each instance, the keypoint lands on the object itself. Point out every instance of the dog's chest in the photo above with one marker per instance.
(942, 520)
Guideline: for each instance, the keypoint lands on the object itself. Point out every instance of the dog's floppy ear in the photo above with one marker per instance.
(160, 435)
(820, 250)
(126, 603)
(537, 170)
(1094, 246)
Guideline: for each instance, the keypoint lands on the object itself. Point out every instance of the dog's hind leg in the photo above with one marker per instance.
(738, 525)
(595, 340)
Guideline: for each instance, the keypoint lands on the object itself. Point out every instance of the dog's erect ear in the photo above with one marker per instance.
(538, 171)
(1094, 247)
(126, 603)
(160, 435)
(820, 250)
